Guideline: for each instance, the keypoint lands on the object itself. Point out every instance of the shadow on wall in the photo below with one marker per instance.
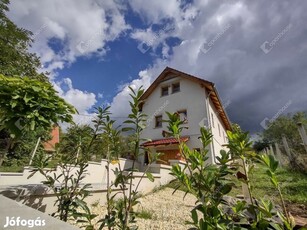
(29, 195)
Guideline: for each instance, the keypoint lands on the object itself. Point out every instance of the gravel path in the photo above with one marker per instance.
(169, 210)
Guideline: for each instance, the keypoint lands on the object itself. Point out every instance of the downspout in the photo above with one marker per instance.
(210, 123)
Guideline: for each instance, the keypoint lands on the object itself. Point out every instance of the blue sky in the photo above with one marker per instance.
(254, 51)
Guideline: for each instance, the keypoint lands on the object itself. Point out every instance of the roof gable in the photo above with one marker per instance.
(168, 73)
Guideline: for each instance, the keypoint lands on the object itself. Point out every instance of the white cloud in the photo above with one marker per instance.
(83, 27)
(82, 100)
(154, 11)
(235, 62)
(120, 106)
(242, 72)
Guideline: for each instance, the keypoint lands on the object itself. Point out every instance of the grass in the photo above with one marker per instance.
(14, 168)
(144, 214)
(293, 185)
(52, 163)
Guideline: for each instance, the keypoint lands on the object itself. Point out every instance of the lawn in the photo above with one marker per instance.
(293, 187)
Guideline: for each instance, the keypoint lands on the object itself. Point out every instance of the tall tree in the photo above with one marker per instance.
(27, 104)
(15, 58)
(286, 126)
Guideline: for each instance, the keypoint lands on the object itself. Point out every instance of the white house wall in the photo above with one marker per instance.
(191, 97)
(219, 137)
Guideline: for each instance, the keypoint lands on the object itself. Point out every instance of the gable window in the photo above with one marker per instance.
(158, 123)
(212, 120)
(164, 91)
(176, 87)
(183, 115)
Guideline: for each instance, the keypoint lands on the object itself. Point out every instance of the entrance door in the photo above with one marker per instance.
(172, 154)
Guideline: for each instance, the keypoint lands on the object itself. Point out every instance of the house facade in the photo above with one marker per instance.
(198, 104)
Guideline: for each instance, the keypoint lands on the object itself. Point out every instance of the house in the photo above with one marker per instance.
(198, 104)
(49, 146)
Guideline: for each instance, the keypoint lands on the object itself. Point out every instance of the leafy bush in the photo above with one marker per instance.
(120, 213)
(210, 184)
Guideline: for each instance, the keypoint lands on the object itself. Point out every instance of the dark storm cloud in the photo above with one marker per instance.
(260, 82)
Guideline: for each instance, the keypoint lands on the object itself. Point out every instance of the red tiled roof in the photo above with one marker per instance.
(165, 141)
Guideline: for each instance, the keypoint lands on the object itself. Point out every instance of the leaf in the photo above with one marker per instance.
(32, 125)
(226, 189)
(194, 216)
(36, 88)
(150, 176)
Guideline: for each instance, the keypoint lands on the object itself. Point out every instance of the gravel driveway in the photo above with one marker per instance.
(169, 210)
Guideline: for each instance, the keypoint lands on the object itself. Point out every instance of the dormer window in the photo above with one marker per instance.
(176, 87)
(164, 91)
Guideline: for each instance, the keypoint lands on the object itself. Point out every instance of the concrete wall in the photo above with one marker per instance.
(96, 174)
(32, 192)
(13, 211)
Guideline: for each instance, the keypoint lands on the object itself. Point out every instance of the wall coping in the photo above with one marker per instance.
(94, 162)
(162, 166)
(11, 174)
(140, 174)
(120, 158)
(177, 162)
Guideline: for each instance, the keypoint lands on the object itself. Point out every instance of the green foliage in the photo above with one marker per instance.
(20, 152)
(66, 185)
(293, 185)
(120, 213)
(15, 59)
(206, 182)
(175, 124)
(272, 165)
(75, 137)
(84, 217)
(260, 145)
(287, 126)
(210, 183)
(239, 143)
(28, 103)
